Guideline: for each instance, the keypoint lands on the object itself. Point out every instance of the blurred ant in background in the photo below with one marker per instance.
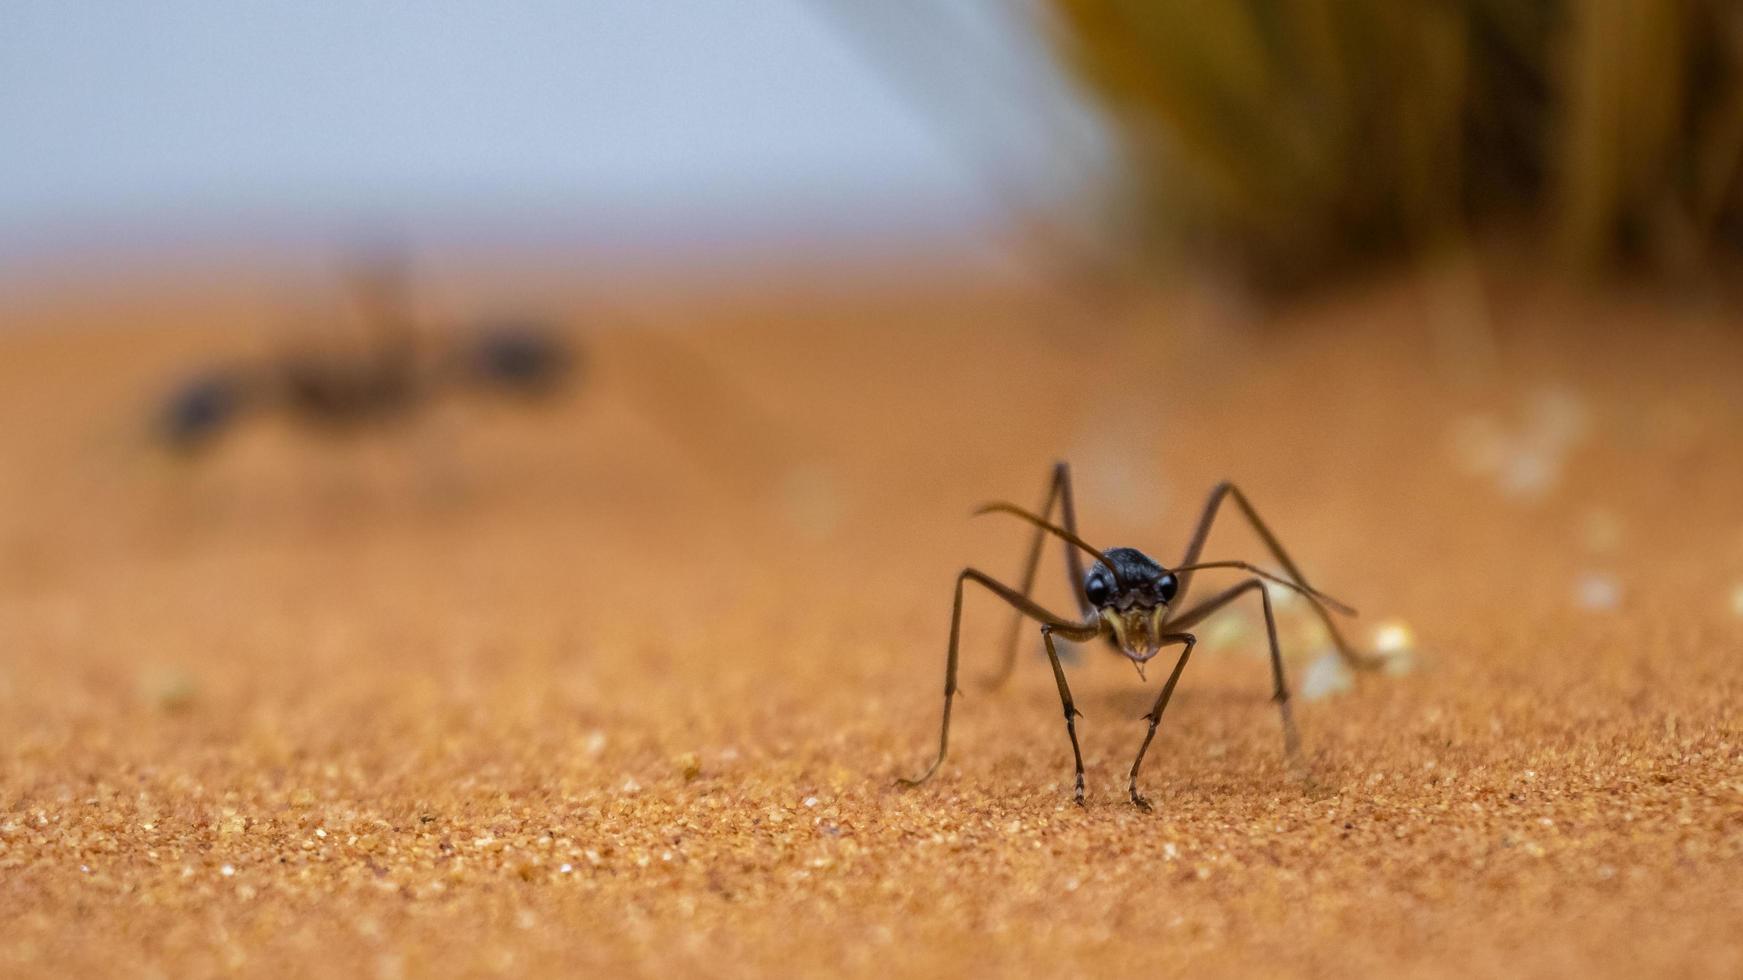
(394, 377)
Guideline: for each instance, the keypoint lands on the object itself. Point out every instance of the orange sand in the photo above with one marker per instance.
(624, 684)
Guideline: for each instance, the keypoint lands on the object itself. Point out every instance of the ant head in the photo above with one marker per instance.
(195, 415)
(1128, 579)
(1131, 592)
(521, 357)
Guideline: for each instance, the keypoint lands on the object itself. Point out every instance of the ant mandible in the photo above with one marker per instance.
(1131, 600)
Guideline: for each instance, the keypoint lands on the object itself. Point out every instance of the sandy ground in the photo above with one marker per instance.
(625, 683)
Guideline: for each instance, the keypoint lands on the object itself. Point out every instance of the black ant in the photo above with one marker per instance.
(334, 392)
(1129, 599)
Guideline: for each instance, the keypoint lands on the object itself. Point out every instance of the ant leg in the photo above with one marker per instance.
(1280, 689)
(1025, 606)
(1226, 489)
(1071, 712)
(1058, 489)
(1155, 714)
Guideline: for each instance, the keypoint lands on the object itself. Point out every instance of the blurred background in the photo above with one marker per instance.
(1284, 143)
(420, 419)
(617, 133)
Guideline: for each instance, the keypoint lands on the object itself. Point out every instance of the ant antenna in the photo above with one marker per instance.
(1305, 590)
(1003, 507)
(1000, 506)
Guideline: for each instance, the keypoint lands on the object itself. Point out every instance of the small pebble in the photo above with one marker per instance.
(690, 765)
(1227, 631)
(1393, 636)
(169, 690)
(227, 870)
(1530, 473)
(1395, 644)
(1597, 591)
(1525, 461)
(1325, 677)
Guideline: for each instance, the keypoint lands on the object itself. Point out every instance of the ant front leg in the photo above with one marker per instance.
(1071, 712)
(1225, 490)
(1156, 710)
(1026, 607)
(1058, 489)
(1280, 689)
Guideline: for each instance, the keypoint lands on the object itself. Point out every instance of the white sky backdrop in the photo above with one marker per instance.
(138, 119)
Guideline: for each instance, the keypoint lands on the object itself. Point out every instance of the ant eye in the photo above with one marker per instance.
(1095, 589)
(1166, 586)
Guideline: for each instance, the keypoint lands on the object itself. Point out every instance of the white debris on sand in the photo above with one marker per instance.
(1597, 591)
(1524, 461)
(1326, 676)
(1395, 644)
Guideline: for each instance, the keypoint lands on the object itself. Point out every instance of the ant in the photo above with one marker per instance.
(333, 392)
(1131, 600)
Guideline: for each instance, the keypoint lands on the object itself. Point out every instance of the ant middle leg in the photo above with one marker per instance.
(1226, 490)
(1050, 623)
(1280, 688)
(1058, 489)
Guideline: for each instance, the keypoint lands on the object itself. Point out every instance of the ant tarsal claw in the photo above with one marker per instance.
(909, 782)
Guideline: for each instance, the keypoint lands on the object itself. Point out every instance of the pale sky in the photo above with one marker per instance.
(142, 116)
